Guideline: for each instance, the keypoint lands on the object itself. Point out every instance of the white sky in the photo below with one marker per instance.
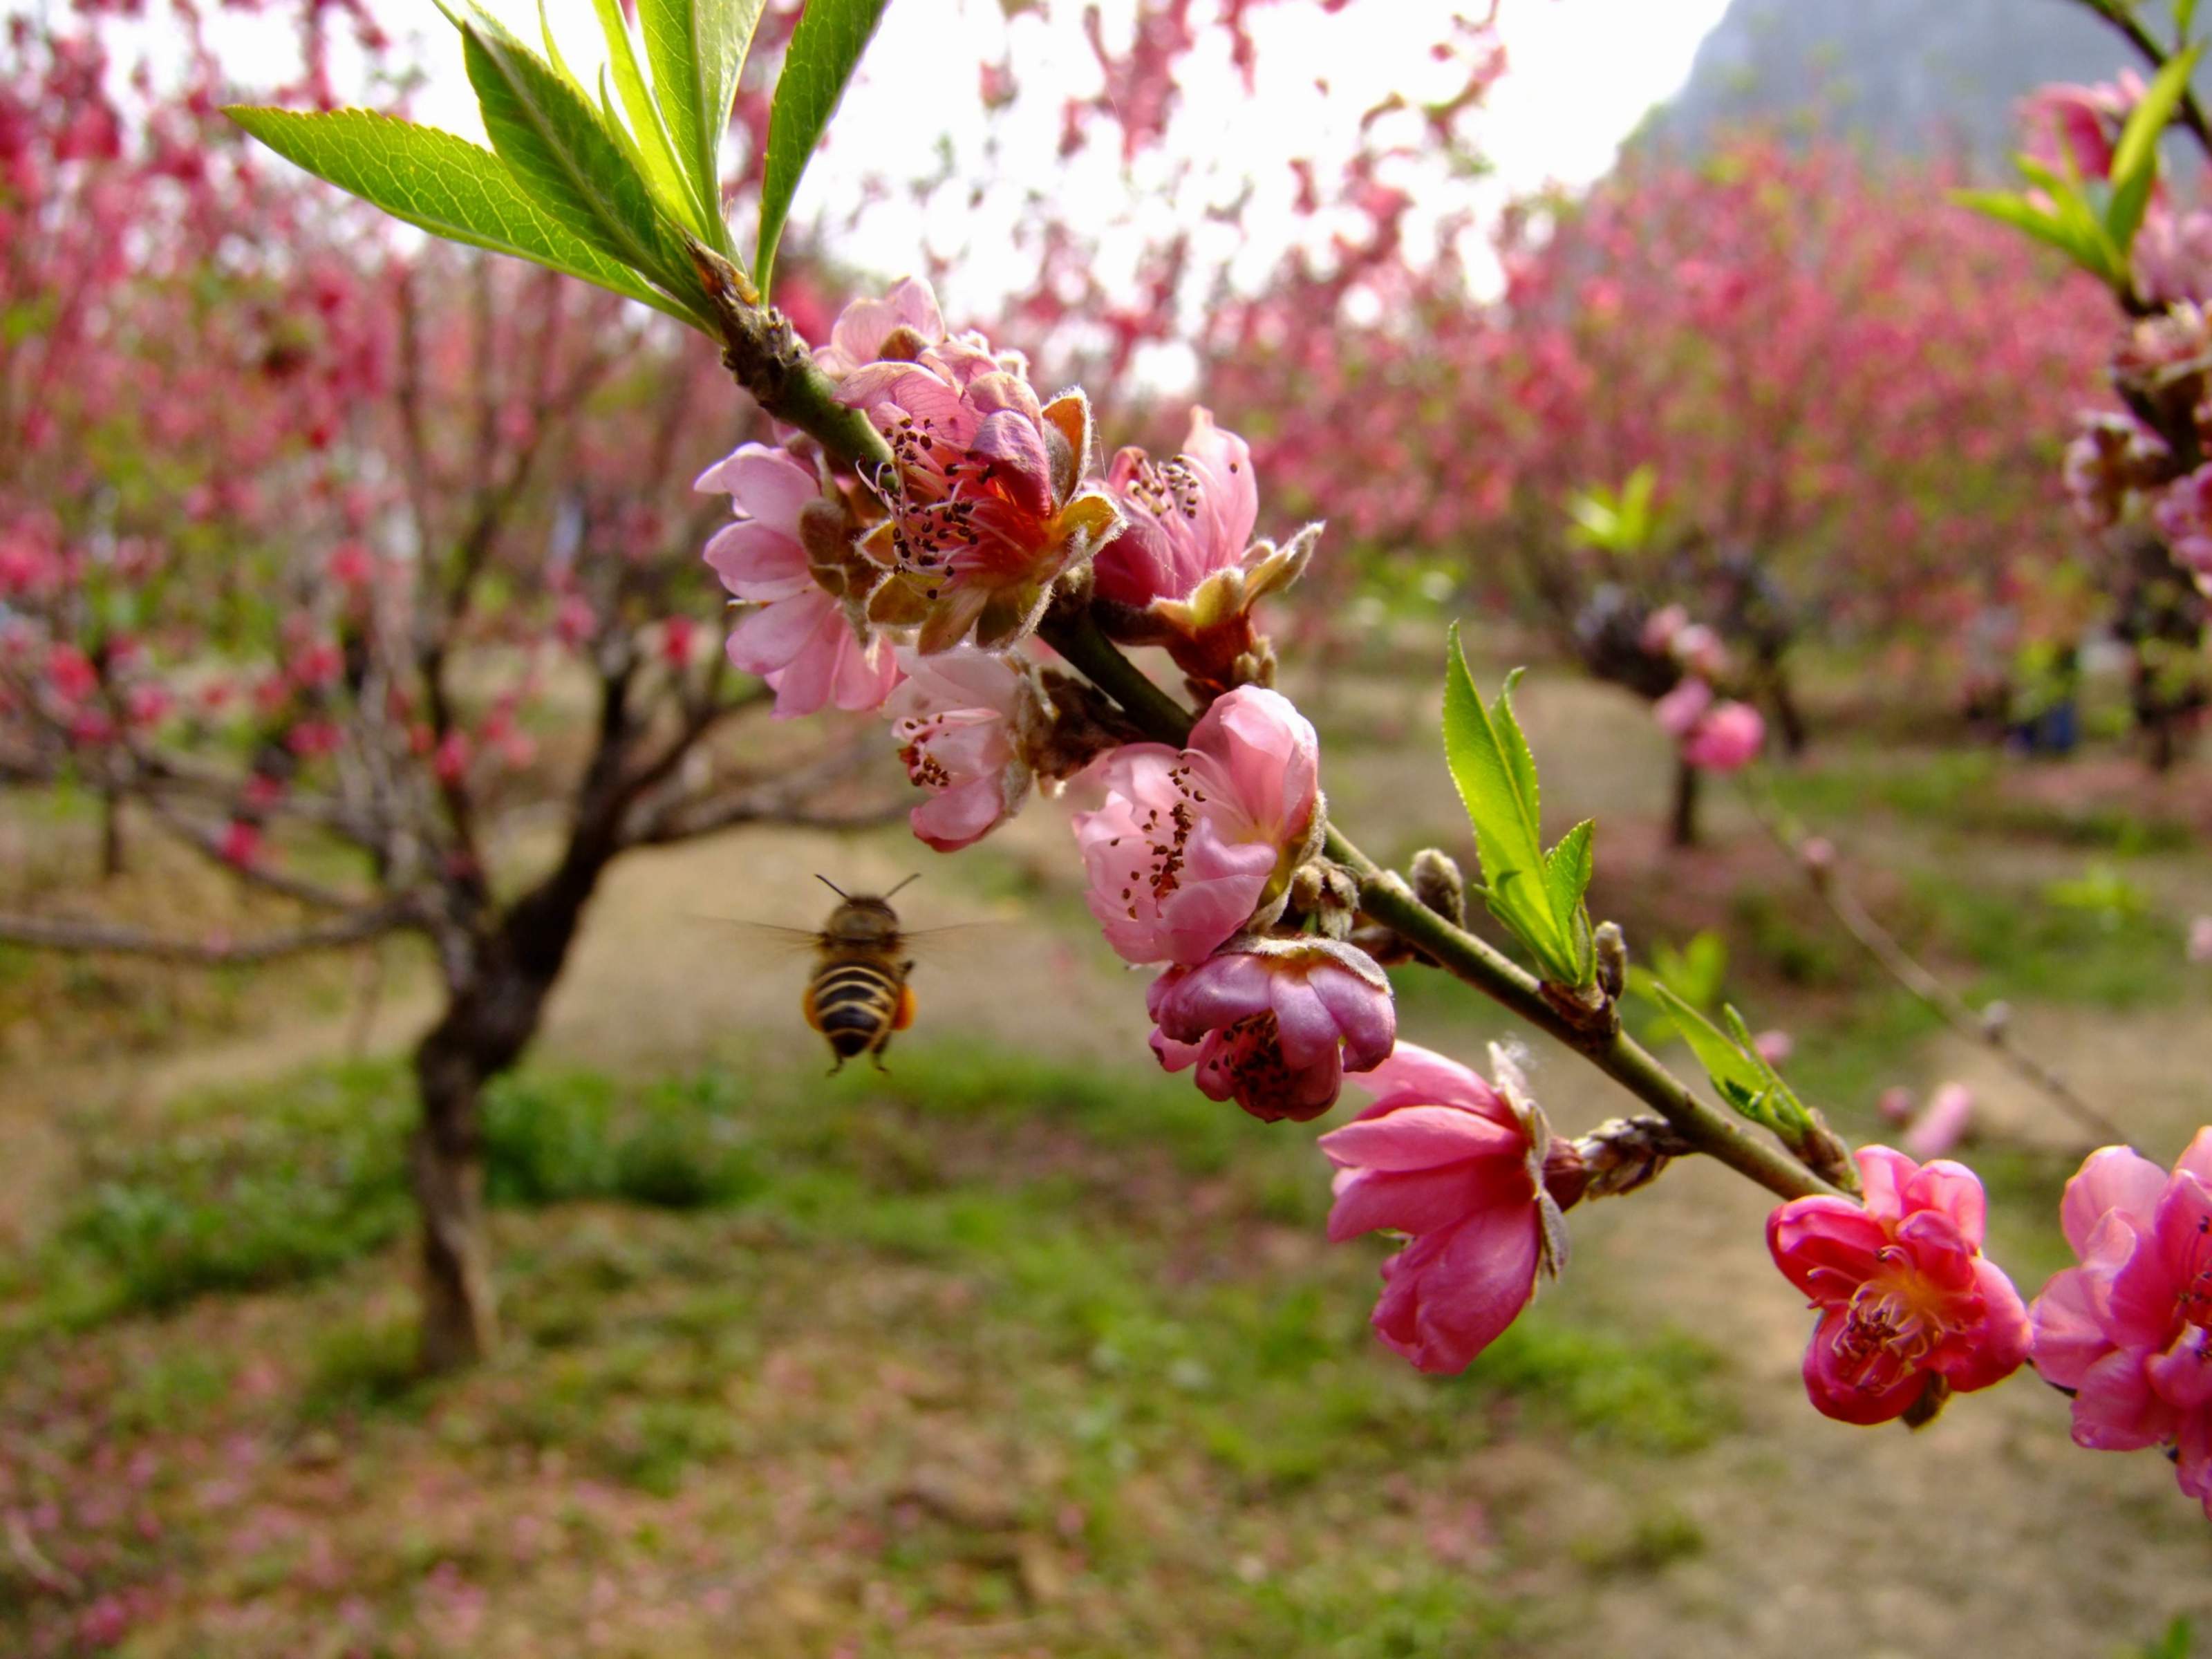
(1582, 74)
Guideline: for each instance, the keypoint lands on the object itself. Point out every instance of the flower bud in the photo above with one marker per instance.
(1439, 885)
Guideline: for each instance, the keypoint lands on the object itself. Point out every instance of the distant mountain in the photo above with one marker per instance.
(1923, 76)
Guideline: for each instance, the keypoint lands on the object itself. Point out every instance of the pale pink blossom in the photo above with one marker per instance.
(2200, 939)
(1774, 1047)
(986, 510)
(1275, 1024)
(1895, 1103)
(1698, 649)
(905, 320)
(1726, 740)
(2126, 1331)
(1194, 845)
(1458, 1165)
(1661, 627)
(1903, 1292)
(1678, 712)
(2184, 517)
(800, 640)
(1949, 1115)
(957, 718)
(1184, 571)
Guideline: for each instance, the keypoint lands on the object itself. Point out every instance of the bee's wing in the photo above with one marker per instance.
(768, 935)
(952, 939)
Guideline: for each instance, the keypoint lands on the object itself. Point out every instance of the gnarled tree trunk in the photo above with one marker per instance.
(494, 1006)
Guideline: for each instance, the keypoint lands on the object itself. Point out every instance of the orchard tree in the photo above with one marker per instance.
(340, 562)
(1821, 365)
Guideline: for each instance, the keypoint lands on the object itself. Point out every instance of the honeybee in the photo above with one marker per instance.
(857, 995)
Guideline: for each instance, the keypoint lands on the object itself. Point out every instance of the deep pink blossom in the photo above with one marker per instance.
(1903, 1292)
(1192, 845)
(958, 718)
(2127, 1330)
(2082, 123)
(801, 640)
(1458, 1165)
(2184, 517)
(1275, 1024)
(986, 509)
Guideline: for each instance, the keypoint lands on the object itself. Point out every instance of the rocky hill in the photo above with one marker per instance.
(1944, 77)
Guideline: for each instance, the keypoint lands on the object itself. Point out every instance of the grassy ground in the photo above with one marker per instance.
(1025, 1349)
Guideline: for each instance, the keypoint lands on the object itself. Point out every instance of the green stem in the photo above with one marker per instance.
(792, 390)
(1385, 896)
(1077, 636)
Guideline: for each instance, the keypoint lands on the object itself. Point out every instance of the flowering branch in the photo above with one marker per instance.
(2190, 113)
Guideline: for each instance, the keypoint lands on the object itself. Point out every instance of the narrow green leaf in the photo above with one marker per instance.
(2138, 145)
(649, 134)
(553, 49)
(1567, 869)
(696, 48)
(825, 49)
(1496, 777)
(2023, 215)
(2135, 159)
(443, 184)
(1784, 1111)
(553, 141)
(1742, 1082)
(2184, 13)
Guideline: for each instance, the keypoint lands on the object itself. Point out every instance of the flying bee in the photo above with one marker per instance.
(857, 995)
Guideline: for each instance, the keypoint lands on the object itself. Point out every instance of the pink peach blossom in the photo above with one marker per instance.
(957, 718)
(1726, 740)
(906, 318)
(800, 640)
(986, 510)
(1458, 1165)
(2200, 939)
(1184, 571)
(1275, 1024)
(1678, 712)
(1903, 1291)
(1949, 1115)
(1193, 845)
(2127, 1330)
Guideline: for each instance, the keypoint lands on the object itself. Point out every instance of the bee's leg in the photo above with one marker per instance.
(836, 1065)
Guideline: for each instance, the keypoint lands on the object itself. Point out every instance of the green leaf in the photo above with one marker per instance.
(2135, 159)
(2065, 235)
(1741, 1079)
(655, 152)
(559, 151)
(1538, 898)
(696, 48)
(825, 49)
(443, 184)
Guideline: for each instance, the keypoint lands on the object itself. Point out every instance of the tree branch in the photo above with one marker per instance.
(88, 937)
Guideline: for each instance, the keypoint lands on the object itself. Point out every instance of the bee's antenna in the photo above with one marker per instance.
(831, 885)
(909, 882)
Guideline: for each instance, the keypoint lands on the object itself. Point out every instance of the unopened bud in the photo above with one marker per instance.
(1823, 1152)
(1611, 945)
(1439, 885)
(1994, 1019)
(1818, 855)
(1624, 1153)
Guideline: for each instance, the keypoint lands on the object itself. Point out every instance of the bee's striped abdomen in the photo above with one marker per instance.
(855, 1005)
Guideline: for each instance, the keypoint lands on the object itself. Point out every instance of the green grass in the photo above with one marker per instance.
(1960, 791)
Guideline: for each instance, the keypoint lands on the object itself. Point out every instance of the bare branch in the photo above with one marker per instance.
(82, 936)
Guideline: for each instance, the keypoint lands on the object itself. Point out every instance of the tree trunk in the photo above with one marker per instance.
(493, 1011)
(111, 836)
(1787, 716)
(1682, 822)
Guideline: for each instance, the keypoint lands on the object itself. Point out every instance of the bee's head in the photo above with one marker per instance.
(863, 921)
